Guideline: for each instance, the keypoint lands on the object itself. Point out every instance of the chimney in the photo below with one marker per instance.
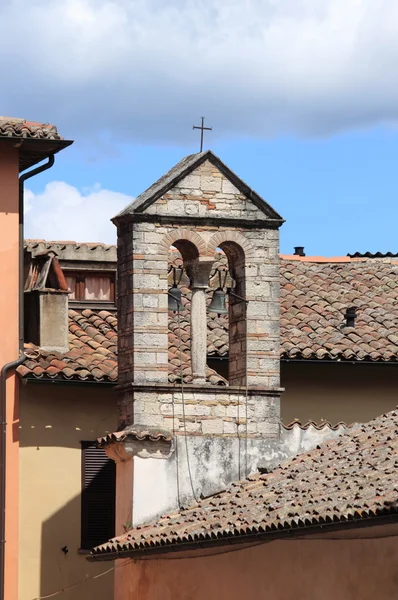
(299, 251)
(46, 304)
(350, 316)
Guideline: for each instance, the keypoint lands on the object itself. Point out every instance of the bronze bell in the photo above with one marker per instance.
(174, 298)
(218, 303)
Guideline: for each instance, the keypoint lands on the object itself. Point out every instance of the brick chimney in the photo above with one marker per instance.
(46, 303)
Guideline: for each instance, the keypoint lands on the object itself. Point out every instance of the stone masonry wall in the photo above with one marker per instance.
(143, 250)
(206, 191)
(142, 299)
(207, 411)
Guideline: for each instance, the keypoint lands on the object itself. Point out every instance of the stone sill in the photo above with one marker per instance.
(200, 389)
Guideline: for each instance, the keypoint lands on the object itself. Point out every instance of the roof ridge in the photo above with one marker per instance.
(319, 426)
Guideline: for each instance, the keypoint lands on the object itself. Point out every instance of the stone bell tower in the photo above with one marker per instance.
(206, 435)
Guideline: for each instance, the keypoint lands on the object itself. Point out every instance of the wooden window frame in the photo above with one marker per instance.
(80, 277)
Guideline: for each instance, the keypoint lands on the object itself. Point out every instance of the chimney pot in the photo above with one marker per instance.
(350, 316)
(299, 251)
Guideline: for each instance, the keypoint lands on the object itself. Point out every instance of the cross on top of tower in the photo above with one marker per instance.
(202, 129)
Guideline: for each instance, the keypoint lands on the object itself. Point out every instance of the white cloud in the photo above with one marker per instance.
(144, 69)
(62, 212)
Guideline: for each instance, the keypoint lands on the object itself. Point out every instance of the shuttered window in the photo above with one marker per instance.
(98, 496)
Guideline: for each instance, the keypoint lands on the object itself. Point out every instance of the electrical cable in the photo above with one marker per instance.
(246, 408)
(85, 580)
(176, 451)
(183, 407)
(209, 555)
(263, 542)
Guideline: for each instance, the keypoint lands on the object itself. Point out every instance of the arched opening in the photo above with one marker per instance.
(237, 322)
(179, 322)
(183, 255)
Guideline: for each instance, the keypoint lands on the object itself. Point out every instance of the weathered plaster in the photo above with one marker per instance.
(214, 462)
(361, 565)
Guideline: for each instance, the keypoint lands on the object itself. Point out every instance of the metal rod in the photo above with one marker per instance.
(231, 293)
(202, 129)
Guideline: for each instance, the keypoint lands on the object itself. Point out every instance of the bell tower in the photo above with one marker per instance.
(207, 435)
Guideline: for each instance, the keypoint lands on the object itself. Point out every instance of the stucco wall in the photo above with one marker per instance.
(9, 351)
(350, 569)
(164, 483)
(337, 392)
(54, 420)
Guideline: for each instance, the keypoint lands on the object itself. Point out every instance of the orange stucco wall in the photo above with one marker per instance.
(55, 419)
(337, 392)
(311, 569)
(9, 350)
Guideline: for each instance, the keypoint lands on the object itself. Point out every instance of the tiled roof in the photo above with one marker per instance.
(374, 255)
(92, 354)
(12, 127)
(137, 432)
(72, 250)
(351, 478)
(36, 141)
(314, 298)
(319, 426)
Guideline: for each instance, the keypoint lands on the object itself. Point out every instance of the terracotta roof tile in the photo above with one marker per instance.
(82, 361)
(137, 432)
(314, 297)
(12, 127)
(352, 477)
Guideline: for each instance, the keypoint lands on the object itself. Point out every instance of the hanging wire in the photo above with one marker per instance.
(246, 399)
(246, 391)
(177, 457)
(82, 581)
(183, 407)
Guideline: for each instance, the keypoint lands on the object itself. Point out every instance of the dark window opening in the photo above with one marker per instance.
(219, 365)
(98, 496)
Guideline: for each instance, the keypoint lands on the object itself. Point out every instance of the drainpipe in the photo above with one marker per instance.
(13, 365)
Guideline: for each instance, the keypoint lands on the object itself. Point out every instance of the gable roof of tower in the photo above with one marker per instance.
(181, 170)
(348, 481)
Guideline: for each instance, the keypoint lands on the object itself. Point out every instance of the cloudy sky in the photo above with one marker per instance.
(302, 96)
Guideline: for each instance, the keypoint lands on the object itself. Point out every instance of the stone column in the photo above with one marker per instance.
(199, 272)
(198, 334)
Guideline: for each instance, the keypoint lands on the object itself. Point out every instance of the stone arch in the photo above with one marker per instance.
(230, 236)
(189, 243)
(237, 250)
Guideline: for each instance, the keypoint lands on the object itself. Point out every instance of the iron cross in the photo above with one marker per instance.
(202, 129)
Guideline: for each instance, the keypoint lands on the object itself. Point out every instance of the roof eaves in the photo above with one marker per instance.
(312, 526)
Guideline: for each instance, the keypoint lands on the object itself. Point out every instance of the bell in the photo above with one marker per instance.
(218, 302)
(174, 298)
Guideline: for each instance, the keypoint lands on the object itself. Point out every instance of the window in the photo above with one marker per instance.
(98, 496)
(91, 287)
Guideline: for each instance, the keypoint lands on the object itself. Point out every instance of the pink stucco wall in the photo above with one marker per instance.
(9, 351)
(314, 569)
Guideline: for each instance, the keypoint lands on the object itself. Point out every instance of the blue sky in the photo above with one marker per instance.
(302, 96)
(338, 194)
